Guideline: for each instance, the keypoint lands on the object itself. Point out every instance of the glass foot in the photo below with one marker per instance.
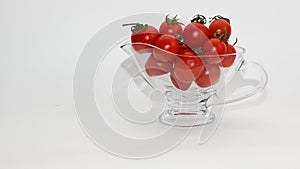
(181, 119)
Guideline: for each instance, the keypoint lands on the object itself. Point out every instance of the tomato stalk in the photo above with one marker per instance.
(179, 38)
(173, 21)
(236, 40)
(219, 17)
(199, 18)
(198, 51)
(223, 37)
(136, 27)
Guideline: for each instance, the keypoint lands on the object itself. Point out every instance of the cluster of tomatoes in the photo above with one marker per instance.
(191, 53)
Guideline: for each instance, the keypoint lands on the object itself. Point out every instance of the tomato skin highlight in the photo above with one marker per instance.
(148, 36)
(195, 34)
(187, 67)
(167, 48)
(170, 29)
(214, 49)
(210, 76)
(178, 84)
(155, 68)
(219, 27)
(229, 60)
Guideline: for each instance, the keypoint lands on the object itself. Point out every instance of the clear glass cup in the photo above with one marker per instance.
(192, 106)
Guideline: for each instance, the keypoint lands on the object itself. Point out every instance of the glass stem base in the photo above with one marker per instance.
(182, 119)
(187, 109)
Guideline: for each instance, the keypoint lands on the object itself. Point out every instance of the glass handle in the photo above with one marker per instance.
(260, 73)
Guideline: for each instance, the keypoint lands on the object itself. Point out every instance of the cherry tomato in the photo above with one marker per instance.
(155, 68)
(220, 26)
(143, 33)
(209, 77)
(171, 26)
(229, 60)
(196, 33)
(214, 49)
(178, 84)
(168, 48)
(187, 67)
(183, 48)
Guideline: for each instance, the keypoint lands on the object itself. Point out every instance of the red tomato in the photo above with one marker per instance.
(195, 34)
(187, 67)
(168, 48)
(210, 76)
(143, 33)
(215, 50)
(188, 52)
(229, 60)
(156, 68)
(171, 26)
(178, 84)
(220, 27)
(183, 48)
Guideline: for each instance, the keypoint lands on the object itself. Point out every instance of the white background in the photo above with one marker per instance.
(40, 41)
